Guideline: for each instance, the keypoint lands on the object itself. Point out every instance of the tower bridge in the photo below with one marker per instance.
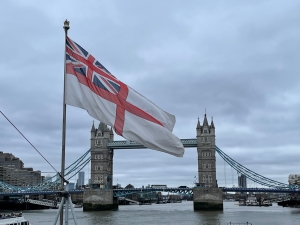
(121, 192)
(102, 151)
(102, 196)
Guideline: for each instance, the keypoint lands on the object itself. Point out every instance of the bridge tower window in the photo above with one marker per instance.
(204, 154)
(97, 167)
(101, 179)
(99, 142)
(206, 166)
(99, 156)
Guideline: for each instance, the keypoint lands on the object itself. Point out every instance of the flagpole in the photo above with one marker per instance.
(66, 28)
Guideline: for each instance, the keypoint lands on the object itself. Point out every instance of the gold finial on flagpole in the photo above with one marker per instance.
(66, 25)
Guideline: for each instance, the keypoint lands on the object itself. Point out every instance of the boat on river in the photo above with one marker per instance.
(13, 219)
(266, 203)
(252, 201)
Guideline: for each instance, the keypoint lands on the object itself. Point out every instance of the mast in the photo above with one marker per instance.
(66, 28)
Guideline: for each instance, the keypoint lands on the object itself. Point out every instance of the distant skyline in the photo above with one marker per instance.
(239, 60)
(80, 179)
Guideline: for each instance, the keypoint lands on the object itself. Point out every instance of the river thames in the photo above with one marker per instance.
(175, 214)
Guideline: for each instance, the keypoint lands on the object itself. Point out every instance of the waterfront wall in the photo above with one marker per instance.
(77, 198)
(208, 198)
(19, 206)
(99, 200)
(293, 202)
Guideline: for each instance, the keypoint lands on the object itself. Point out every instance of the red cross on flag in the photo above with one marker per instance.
(89, 85)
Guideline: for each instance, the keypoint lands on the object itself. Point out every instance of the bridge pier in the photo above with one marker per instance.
(99, 200)
(208, 198)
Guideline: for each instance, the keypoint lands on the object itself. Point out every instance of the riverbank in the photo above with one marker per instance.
(19, 206)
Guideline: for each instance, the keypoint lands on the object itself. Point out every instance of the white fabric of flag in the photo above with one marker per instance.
(89, 85)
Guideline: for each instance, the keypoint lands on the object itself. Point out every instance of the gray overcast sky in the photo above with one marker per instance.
(237, 59)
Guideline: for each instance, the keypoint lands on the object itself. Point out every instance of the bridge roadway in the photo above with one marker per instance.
(127, 191)
(126, 144)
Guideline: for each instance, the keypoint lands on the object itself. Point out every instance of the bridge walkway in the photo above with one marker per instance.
(49, 203)
(129, 200)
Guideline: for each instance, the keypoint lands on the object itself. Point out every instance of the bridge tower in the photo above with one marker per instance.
(206, 148)
(207, 195)
(100, 195)
(101, 157)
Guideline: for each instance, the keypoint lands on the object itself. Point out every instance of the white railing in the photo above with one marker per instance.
(44, 203)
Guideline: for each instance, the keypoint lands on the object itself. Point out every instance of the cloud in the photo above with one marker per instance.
(238, 60)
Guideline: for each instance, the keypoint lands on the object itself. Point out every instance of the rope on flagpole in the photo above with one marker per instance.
(29, 142)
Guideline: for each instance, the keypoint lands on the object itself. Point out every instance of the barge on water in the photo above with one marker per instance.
(293, 202)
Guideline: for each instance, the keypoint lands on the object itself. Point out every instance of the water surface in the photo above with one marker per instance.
(175, 214)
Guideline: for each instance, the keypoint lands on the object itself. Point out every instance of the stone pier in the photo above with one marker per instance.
(99, 200)
(208, 198)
